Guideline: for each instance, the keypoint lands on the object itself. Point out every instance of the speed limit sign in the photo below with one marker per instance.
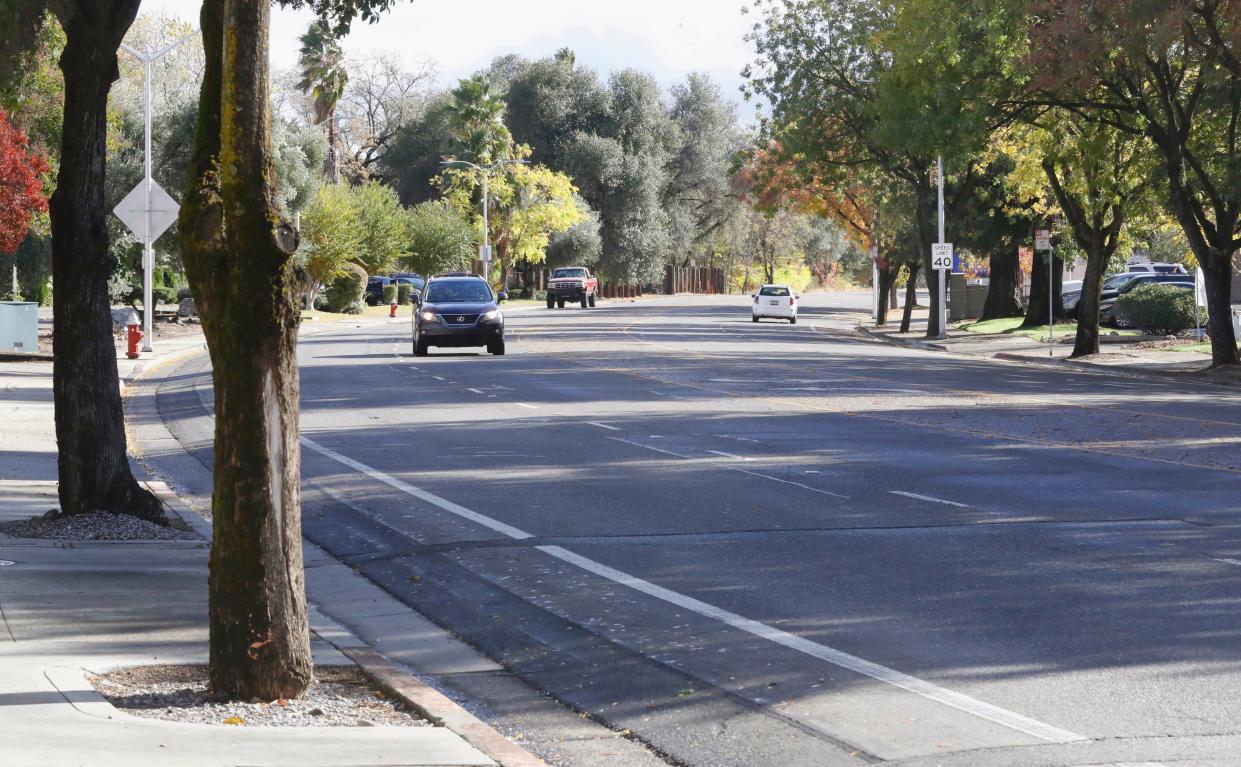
(941, 256)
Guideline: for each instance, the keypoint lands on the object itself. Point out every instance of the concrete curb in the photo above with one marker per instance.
(908, 342)
(391, 677)
(439, 708)
(1056, 362)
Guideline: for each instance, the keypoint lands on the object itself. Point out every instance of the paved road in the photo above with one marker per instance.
(782, 545)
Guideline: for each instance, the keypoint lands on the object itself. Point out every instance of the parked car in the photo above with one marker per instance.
(1159, 268)
(1112, 282)
(458, 310)
(1110, 313)
(574, 284)
(374, 295)
(776, 302)
(415, 281)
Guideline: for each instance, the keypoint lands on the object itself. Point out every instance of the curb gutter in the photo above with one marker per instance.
(391, 677)
(1192, 377)
(924, 345)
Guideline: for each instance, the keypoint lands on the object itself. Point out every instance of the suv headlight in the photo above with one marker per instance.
(494, 314)
(428, 316)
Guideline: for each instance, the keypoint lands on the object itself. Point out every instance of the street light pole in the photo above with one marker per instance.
(148, 242)
(486, 171)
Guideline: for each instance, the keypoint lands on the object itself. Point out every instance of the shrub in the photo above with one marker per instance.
(403, 292)
(389, 293)
(344, 293)
(183, 293)
(163, 294)
(1161, 309)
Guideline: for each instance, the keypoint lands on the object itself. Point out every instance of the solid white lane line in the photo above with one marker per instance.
(648, 447)
(790, 482)
(527, 407)
(934, 692)
(728, 455)
(418, 492)
(736, 468)
(929, 498)
(604, 426)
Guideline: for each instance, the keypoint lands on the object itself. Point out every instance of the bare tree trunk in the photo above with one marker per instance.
(1003, 289)
(93, 465)
(1036, 310)
(911, 297)
(887, 281)
(331, 163)
(236, 248)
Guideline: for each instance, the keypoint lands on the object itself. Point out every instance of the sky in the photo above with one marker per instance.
(668, 38)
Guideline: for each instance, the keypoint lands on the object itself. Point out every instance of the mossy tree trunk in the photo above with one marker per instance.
(92, 453)
(238, 255)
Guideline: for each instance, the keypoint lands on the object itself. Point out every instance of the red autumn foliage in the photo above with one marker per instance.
(771, 180)
(21, 190)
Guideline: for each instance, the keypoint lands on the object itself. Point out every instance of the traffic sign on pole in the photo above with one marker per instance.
(1042, 239)
(941, 256)
(132, 211)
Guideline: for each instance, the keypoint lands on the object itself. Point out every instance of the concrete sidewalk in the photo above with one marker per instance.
(1123, 355)
(70, 607)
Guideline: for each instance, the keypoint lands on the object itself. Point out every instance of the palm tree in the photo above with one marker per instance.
(477, 117)
(323, 77)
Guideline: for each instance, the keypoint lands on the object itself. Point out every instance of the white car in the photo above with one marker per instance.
(777, 302)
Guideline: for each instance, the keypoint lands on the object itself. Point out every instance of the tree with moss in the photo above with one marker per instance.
(239, 250)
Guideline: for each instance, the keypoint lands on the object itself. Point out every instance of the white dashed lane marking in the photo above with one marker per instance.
(929, 498)
(921, 687)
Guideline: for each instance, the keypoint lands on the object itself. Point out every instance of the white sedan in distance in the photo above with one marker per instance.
(775, 301)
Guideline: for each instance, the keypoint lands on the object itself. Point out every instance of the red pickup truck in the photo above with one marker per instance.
(573, 284)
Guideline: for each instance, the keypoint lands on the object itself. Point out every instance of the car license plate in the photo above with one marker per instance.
(774, 303)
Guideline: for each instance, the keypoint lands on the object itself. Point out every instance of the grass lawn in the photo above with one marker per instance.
(369, 312)
(1012, 326)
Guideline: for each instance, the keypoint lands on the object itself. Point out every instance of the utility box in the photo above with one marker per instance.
(19, 327)
(966, 297)
(956, 298)
(976, 297)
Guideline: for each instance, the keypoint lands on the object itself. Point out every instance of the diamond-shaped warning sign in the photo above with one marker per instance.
(132, 210)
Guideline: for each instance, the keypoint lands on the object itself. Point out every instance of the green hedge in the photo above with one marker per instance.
(404, 290)
(1161, 309)
(344, 294)
(389, 293)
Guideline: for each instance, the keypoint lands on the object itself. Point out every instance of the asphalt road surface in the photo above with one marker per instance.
(769, 544)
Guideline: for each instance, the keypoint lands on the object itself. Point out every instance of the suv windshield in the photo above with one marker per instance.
(568, 273)
(774, 292)
(458, 291)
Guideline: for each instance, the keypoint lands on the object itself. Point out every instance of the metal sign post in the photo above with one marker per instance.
(147, 231)
(1042, 241)
(943, 271)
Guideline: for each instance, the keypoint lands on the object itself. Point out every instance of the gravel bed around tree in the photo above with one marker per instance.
(97, 526)
(339, 697)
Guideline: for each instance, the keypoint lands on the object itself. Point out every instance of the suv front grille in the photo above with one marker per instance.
(459, 319)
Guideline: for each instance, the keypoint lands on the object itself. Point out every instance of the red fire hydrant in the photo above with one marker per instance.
(392, 311)
(134, 336)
